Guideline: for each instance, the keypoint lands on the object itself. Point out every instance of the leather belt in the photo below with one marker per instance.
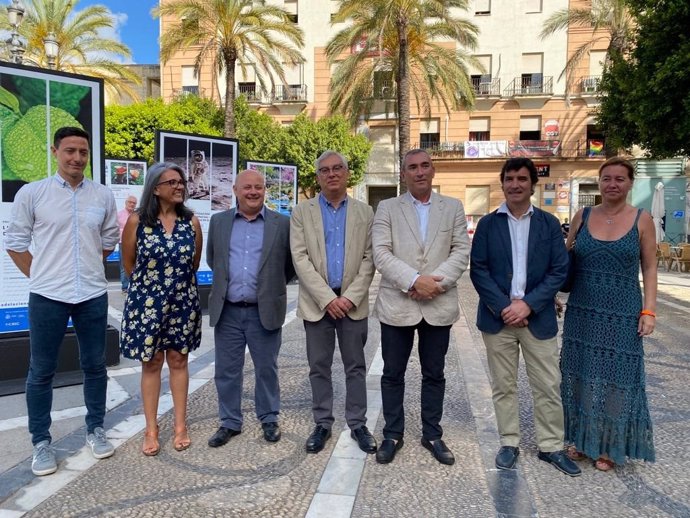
(242, 304)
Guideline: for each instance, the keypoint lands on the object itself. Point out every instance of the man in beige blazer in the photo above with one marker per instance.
(330, 239)
(421, 248)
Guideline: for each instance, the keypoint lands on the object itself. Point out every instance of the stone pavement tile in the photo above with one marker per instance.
(330, 506)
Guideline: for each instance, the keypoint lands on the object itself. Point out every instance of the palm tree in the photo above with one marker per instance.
(228, 31)
(609, 20)
(401, 40)
(81, 47)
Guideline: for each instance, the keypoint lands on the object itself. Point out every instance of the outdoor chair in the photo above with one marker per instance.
(682, 261)
(663, 254)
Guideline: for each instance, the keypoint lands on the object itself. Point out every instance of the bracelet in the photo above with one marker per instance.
(648, 312)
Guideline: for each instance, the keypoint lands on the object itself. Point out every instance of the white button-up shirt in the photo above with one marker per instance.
(66, 231)
(519, 239)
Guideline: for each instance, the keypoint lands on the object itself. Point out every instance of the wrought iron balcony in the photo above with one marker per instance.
(383, 89)
(486, 87)
(250, 93)
(442, 149)
(290, 93)
(530, 84)
(590, 85)
(188, 90)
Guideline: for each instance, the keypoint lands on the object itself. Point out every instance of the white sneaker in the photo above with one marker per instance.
(43, 462)
(100, 446)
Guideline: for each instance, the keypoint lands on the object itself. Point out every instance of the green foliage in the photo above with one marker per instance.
(647, 99)
(306, 140)
(229, 33)
(83, 44)
(130, 130)
(260, 137)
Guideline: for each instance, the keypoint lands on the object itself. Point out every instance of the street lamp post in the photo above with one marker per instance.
(16, 45)
(51, 48)
(15, 14)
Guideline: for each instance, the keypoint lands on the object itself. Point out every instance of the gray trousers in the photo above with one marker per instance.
(239, 327)
(352, 336)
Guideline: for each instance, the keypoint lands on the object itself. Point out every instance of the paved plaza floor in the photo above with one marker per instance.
(250, 477)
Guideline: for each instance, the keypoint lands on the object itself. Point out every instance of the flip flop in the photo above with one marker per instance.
(181, 440)
(603, 464)
(151, 446)
(573, 454)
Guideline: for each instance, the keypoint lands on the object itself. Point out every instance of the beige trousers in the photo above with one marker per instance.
(541, 362)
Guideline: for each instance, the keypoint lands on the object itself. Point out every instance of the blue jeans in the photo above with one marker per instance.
(47, 324)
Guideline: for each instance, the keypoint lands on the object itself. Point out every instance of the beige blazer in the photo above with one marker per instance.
(308, 246)
(399, 254)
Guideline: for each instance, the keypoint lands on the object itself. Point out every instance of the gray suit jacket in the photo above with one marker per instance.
(275, 266)
(308, 245)
(399, 254)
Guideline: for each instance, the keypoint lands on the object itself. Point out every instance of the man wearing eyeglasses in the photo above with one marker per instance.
(330, 238)
(62, 227)
(248, 250)
(421, 248)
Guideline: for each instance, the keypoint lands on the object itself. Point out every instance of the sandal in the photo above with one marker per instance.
(573, 454)
(151, 446)
(604, 464)
(181, 440)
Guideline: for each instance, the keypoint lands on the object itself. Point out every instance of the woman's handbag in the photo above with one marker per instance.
(570, 278)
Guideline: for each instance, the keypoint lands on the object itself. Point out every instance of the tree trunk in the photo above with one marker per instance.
(229, 129)
(403, 97)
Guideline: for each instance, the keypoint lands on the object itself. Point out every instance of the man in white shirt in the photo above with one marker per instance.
(61, 229)
(518, 263)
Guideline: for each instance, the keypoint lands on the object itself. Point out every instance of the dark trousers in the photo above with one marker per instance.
(396, 346)
(352, 336)
(239, 328)
(47, 324)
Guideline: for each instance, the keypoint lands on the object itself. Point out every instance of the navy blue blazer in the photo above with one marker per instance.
(491, 271)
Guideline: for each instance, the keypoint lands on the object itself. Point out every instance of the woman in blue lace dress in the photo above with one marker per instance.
(602, 359)
(161, 322)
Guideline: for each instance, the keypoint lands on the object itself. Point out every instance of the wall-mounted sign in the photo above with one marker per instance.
(543, 169)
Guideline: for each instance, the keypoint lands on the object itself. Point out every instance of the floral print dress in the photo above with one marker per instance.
(162, 309)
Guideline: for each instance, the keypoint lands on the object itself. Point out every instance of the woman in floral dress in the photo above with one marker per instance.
(161, 247)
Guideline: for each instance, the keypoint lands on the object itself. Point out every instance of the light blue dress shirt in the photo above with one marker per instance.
(244, 255)
(334, 234)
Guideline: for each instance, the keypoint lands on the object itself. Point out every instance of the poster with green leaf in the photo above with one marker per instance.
(33, 105)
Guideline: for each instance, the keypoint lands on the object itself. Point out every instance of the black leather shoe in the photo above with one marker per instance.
(507, 457)
(439, 450)
(364, 439)
(387, 450)
(222, 436)
(561, 462)
(271, 431)
(317, 439)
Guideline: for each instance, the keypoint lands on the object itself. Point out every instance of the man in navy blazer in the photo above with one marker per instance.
(518, 263)
(248, 249)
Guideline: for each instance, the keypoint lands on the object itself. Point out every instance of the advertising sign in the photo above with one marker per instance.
(34, 103)
(210, 164)
(486, 148)
(530, 148)
(281, 184)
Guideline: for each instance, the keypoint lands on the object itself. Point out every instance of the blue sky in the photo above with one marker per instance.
(134, 26)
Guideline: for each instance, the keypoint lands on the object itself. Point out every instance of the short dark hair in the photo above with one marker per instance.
(515, 164)
(619, 160)
(411, 152)
(70, 131)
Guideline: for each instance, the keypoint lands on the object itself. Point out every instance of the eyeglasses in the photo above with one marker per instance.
(336, 169)
(173, 183)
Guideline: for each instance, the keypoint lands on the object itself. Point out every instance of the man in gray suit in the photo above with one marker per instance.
(330, 238)
(248, 250)
(421, 248)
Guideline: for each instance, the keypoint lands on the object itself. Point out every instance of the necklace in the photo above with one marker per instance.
(610, 218)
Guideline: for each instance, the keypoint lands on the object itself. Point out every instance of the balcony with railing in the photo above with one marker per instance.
(188, 90)
(586, 148)
(486, 87)
(290, 94)
(250, 92)
(442, 149)
(383, 89)
(590, 85)
(530, 85)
